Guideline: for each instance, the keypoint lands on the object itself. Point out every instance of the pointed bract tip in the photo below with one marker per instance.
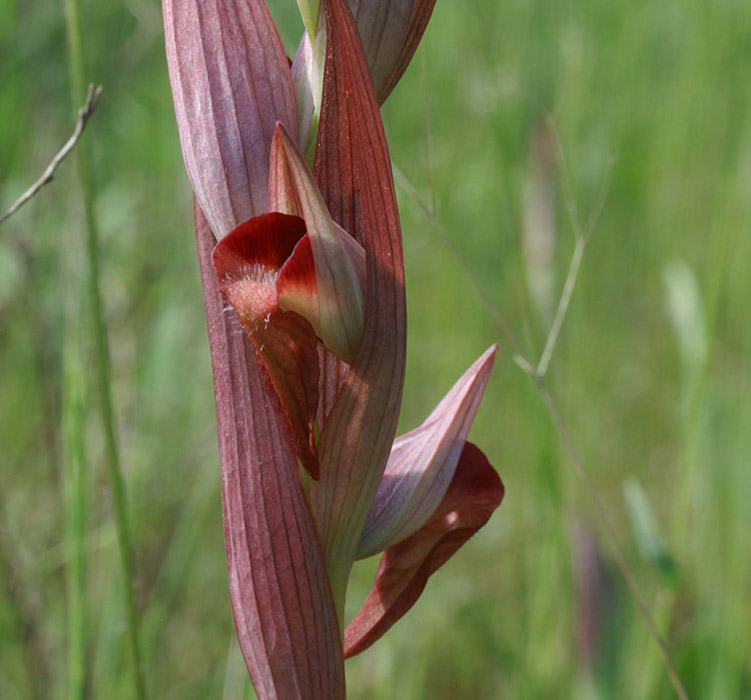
(422, 463)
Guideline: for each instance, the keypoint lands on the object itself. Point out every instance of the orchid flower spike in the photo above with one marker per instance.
(303, 274)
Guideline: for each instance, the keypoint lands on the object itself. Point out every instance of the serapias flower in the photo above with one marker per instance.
(309, 357)
(293, 275)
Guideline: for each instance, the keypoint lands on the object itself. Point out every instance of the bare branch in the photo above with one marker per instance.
(563, 302)
(568, 195)
(600, 203)
(538, 378)
(582, 238)
(84, 114)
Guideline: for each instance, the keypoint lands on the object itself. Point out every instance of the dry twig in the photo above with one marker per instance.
(84, 114)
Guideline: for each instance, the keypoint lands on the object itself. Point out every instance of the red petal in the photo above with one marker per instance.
(247, 263)
(354, 174)
(267, 240)
(280, 594)
(475, 492)
(231, 83)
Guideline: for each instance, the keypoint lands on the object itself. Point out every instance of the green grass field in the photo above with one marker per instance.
(509, 111)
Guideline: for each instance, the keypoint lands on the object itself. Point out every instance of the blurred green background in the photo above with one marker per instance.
(652, 373)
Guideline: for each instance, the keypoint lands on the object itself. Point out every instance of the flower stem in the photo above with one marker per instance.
(101, 352)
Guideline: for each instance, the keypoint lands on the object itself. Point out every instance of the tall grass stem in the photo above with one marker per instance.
(74, 480)
(101, 352)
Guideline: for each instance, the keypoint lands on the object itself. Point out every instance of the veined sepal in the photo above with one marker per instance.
(390, 31)
(362, 403)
